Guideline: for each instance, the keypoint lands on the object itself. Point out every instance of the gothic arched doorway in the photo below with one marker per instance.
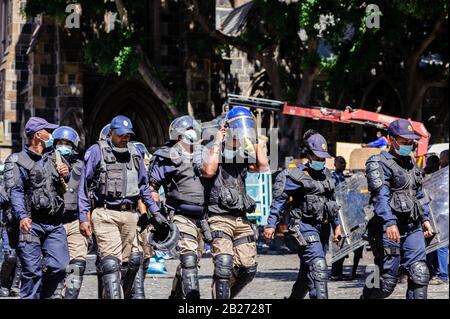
(133, 99)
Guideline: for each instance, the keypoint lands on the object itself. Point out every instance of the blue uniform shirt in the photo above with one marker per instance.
(17, 192)
(91, 164)
(381, 142)
(280, 198)
(383, 195)
(161, 173)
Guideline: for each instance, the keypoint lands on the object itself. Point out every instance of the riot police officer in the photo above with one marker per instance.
(10, 271)
(173, 168)
(112, 181)
(33, 181)
(313, 210)
(66, 141)
(401, 216)
(233, 153)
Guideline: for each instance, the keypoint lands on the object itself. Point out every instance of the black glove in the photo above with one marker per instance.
(159, 219)
(143, 222)
(206, 231)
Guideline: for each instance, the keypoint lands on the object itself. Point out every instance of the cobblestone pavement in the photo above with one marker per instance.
(274, 280)
(276, 275)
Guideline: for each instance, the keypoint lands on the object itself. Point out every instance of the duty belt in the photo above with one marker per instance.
(236, 242)
(121, 207)
(28, 238)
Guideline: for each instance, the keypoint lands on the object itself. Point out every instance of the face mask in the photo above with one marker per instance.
(317, 165)
(190, 137)
(64, 150)
(229, 154)
(120, 149)
(403, 150)
(49, 142)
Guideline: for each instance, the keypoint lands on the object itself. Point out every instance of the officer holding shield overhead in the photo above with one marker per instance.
(314, 209)
(401, 223)
(33, 181)
(114, 171)
(233, 154)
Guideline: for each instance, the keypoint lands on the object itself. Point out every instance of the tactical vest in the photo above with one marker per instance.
(71, 195)
(228, 191)
(185, 185)
(404, 186)
(316, 201)
(41, 196)
(118, 179)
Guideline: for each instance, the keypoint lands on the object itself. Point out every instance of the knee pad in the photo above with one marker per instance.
(419, 273)
(388, 283)
(188, 261)
(318, 269)
(223, 266)
(76, 266)
(109, 265)
(135, 260)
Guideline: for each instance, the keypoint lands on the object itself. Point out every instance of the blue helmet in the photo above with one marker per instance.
(104, 133)
(141, 148)
(66, 133)
(241, 122)
(187, 128)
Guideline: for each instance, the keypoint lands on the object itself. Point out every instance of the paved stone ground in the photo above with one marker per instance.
(276, 275)
(274, 280)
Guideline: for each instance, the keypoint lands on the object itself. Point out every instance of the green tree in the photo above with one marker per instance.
(118, 51)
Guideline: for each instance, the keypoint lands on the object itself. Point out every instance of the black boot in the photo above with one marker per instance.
(110, 270)
(15, 287)
(7, 273)
(138, 287)
(74, 278)
(129, 273)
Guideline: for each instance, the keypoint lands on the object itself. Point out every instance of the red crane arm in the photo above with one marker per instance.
(357, 116)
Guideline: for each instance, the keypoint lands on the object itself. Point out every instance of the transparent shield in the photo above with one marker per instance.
(354, 213)
(436, 186)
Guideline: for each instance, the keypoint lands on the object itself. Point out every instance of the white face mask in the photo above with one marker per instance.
(189, 137)
(229, 154)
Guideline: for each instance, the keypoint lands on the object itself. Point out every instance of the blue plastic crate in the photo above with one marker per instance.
(259, 187)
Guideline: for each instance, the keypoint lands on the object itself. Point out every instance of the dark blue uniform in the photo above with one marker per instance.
(398, 199)
(46, 244)
(316, 234)
(92, 163)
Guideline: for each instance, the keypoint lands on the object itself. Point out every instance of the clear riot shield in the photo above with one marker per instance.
(354, 213)
(436, 186)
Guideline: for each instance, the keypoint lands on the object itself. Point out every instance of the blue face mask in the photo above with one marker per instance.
(64, 150)
(317, 165)
(404, 150)
(229, 154)
(49, 142)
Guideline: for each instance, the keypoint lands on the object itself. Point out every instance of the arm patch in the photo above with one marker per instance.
(374, 173)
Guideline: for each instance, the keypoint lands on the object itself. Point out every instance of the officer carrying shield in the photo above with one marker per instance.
(233, 153)
(400, 224)
(66, 141)
(33, 180)
(112, 181)
(173, 168)
(10, 271)
(313, 210)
